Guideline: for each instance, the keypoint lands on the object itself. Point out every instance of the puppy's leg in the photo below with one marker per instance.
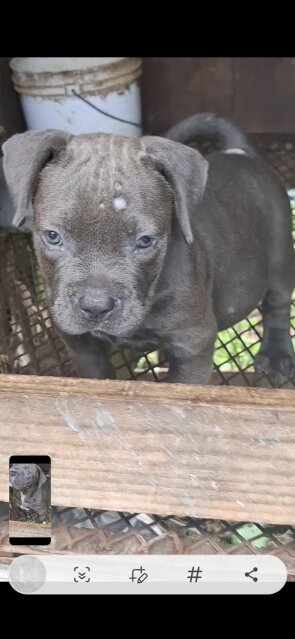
(190, 355)
(41, 517)
(90, 354)
(22, 514)
(276, 356)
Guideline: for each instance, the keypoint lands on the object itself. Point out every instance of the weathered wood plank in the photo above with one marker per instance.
(28, 529)
(211, 452)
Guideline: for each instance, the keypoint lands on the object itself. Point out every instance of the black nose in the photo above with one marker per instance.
(96, 306)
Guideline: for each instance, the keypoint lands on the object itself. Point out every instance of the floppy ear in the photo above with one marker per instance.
(24, 156)
(185, 170)
(42, 477)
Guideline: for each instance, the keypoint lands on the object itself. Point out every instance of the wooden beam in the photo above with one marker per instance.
(28, 529)
(215, 452)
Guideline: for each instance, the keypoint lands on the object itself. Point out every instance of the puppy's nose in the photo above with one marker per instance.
(96, 306)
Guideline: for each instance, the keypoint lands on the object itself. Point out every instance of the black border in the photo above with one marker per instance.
(29, 459)
(29, 541)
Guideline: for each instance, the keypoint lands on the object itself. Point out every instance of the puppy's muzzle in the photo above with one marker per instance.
(20, 483)
(94, 305)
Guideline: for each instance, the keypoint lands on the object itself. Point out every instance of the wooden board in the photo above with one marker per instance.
(23, 529)
(211, 452)
(258, 94)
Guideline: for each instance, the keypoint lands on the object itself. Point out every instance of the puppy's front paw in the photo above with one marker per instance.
(278, 367)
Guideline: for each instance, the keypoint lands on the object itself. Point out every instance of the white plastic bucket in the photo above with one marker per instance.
(47, 85)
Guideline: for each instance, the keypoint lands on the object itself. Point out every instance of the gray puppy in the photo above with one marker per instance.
(145, 242)
(33, 486)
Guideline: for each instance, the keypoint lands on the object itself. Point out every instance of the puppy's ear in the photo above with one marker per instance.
(185, 170)
(42, 477)
(24, 156)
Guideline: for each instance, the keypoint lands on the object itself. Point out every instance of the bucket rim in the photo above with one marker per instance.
(61, 65)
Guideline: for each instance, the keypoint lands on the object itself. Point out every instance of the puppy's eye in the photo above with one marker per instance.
(52, 237)
(144, 241)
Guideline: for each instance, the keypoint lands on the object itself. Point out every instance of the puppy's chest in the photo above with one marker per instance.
(140, 340)
(151, 334)
(28, 503)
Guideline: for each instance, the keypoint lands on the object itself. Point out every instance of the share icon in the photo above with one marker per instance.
(249, 574)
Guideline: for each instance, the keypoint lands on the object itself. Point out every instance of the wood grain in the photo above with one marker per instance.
(213, 452)
(258, 94)
(24, 529)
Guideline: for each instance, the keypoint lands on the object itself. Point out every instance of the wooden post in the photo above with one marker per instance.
(202, 451)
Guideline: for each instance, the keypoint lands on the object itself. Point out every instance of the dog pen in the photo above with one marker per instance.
(148, 468)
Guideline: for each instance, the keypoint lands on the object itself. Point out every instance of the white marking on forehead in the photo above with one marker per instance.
(118, 186)
(119, 203)
(239, 151)
(102, 205)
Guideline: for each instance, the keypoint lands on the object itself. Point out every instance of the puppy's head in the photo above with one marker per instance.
(103, 209)
(25, 476)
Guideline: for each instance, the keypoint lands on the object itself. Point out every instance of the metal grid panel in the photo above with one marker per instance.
(29, 345)
(82, 531)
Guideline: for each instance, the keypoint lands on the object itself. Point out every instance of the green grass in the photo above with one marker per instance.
(232, 344)
(153, 360)
(250, 531)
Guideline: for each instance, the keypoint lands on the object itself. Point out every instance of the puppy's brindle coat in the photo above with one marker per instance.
(156, 245)
(33, 487)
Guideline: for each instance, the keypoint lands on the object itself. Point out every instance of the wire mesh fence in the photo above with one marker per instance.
(83, 531)
(29, 344)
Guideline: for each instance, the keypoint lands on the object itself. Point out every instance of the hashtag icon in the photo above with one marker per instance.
(194, 574)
